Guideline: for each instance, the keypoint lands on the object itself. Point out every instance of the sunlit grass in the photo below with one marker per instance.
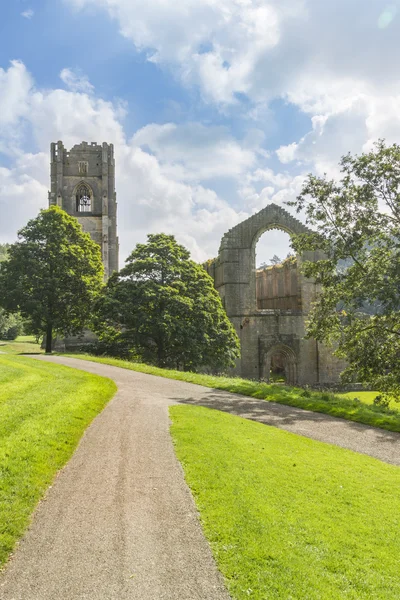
(369, 397)
(44, 410)
(24, 344)
(289, 518)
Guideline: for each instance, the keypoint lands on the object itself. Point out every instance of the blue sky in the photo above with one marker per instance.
(216, 107)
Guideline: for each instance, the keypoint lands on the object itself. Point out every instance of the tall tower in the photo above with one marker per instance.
(83, 184)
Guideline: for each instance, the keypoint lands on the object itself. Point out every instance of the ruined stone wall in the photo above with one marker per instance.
(269, 310)
(278, 287)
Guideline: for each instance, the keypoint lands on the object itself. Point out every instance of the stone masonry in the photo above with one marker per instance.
(83, 184)
(266, 333)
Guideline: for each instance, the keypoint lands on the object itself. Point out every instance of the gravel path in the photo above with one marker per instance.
(119, 522)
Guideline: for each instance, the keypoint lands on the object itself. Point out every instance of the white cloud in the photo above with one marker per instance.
(76, 81)
(15, 86)
(287, 153)
(27, 14)
(22, 191)
(215, 44)
(195, 152)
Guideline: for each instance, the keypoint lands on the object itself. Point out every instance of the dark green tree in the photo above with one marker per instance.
(357, 223)
(52, 275)
(163, 308)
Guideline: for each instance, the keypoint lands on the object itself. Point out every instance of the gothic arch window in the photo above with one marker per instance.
(83, 198)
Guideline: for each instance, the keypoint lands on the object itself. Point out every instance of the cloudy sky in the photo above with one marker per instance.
(216, 107)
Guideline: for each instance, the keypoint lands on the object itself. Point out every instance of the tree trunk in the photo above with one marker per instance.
(49, 338)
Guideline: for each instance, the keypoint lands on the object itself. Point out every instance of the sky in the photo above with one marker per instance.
(216, 108)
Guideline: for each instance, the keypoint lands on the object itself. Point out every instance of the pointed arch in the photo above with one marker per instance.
(289, 361)
(83, 194)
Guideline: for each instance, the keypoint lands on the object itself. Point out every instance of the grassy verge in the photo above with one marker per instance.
(368, 398)
(44, 410)
(289, 518)
(24, 344)
(330, 404)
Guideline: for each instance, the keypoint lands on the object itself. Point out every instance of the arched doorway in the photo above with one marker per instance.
(280, 365)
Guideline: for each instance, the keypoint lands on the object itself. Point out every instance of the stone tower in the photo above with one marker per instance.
(83, 184)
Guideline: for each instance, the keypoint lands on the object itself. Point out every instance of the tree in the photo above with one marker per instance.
(11, 326)
(358, 231)
(4, 251)
(52, 275)
(164, 308)
(275, 260)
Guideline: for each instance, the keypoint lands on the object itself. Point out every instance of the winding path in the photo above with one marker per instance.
(119, 522)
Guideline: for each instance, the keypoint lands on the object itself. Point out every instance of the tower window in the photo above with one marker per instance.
(83, 167)
(83, 199)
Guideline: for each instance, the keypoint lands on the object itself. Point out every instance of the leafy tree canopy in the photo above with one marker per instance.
(357, 222)
(3, 251)
(52, 275)
(163, 307)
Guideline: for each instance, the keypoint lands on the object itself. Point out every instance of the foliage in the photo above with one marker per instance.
(275, 260)
(349, 408)
(11, 326)
(4, 251)
(357, 222)
(52, 275)
(370, 397)
(44, 410)
(163, 307)
(288, 517)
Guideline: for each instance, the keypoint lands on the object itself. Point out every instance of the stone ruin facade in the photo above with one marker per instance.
(269, 307)
(82, 182)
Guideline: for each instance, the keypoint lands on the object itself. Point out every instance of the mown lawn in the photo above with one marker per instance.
(24, 344)
(44, 410)
(323, 402)
(369, 397)
(287, 517)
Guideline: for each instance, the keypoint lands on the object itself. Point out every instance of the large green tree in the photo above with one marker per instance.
(52, 275)
(163, 307)
(357, 227)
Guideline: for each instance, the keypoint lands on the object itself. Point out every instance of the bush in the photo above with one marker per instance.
(11, 326)
(12, 333)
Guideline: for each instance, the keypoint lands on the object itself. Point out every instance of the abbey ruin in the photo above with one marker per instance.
(269, 308)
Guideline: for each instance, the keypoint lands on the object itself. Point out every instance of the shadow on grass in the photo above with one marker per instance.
(327, 427)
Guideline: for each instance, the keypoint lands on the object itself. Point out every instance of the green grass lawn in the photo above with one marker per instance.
(44, 410)
(331, 404)
(287, 517)
(24, 344)
(369, 397)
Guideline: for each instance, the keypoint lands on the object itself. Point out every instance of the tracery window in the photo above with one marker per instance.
(83, 199)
